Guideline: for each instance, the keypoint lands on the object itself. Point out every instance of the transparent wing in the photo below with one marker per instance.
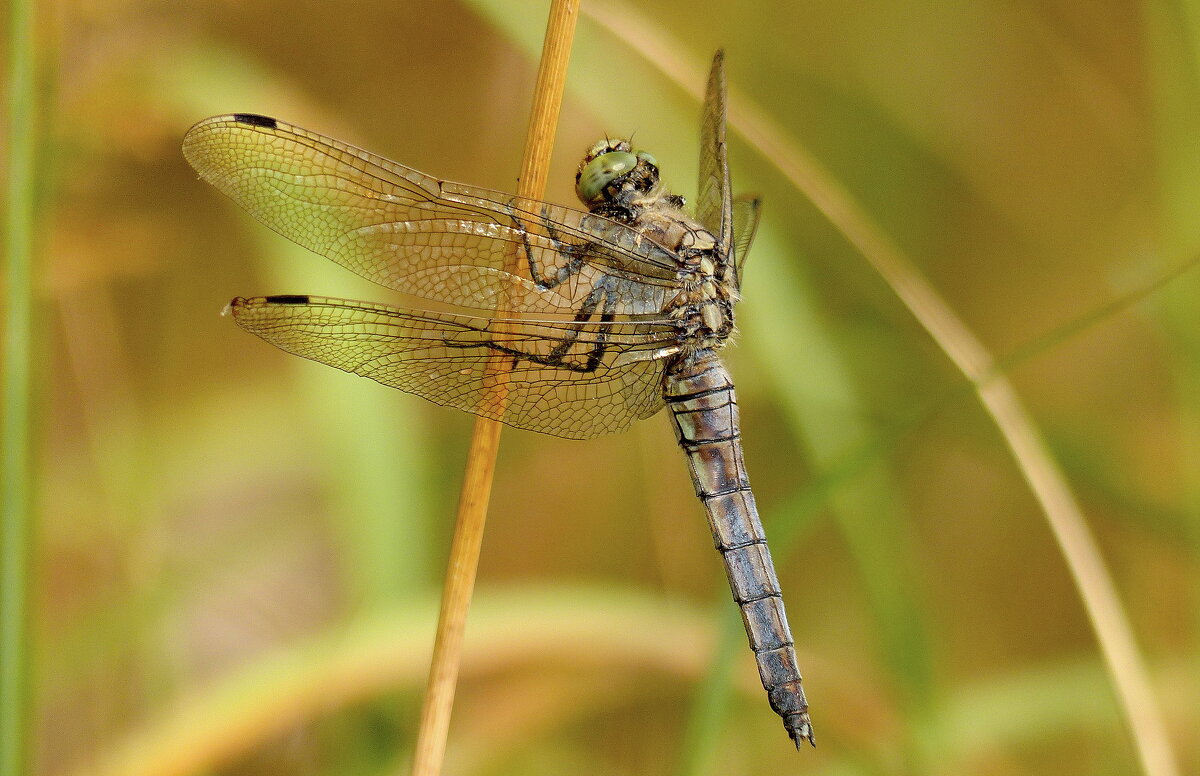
(714, 203)
(573, 379)
(445, 242)
(746, 212)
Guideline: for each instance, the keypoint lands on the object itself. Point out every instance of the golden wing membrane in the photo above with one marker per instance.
(746, 212)
(573, 379)
(446, 242)
(714, 197)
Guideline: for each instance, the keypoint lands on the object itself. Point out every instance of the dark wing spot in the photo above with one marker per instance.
(287, 299)
(255, 120)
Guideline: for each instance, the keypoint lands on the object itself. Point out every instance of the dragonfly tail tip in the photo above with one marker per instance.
(800, 730)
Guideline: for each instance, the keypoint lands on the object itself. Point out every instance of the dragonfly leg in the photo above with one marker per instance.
(600, 291)
(575, 254)
(557, 356)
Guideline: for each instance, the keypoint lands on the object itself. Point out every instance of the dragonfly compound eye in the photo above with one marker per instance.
(601, 171)
(647, 157)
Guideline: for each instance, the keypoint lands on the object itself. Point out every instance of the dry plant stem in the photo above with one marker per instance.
(481, 457)
(1079, 549)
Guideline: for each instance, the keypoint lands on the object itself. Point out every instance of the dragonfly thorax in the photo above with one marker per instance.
(703, 308)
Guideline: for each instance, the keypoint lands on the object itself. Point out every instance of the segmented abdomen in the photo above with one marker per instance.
(704, 412)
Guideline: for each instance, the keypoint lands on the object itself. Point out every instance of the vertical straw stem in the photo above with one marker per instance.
(481, 457)
(15, 513)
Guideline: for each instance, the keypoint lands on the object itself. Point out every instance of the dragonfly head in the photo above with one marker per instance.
(612, 171)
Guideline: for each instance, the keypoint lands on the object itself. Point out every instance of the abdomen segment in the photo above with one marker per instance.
(704, 414)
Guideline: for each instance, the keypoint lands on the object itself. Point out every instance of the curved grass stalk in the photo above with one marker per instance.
(998, 397)
(214, 724)
(1047, 482)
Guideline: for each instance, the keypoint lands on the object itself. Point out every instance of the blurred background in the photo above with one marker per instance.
(239, 552)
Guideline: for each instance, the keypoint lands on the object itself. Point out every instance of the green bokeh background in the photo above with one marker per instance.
(239, 552)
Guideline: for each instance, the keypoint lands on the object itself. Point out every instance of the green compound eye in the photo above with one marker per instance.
(647, 157)
(601, 171)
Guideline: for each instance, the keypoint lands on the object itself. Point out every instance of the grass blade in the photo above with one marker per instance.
(16, 520)
(1076, 543)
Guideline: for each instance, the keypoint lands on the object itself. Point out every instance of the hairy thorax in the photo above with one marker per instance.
(703, 307)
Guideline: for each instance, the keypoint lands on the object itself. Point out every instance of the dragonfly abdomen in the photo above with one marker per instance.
(704, 414)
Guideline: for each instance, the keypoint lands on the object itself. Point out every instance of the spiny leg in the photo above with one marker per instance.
(575, 253)
(557, 355)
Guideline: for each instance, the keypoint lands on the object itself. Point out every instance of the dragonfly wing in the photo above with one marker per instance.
(746, 212)
(445, 242)
(573, 379)
(714, 199)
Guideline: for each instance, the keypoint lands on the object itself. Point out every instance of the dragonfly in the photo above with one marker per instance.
(564, 321)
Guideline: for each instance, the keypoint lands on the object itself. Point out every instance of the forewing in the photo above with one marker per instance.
(442, 241)
(565, 378)
(746, 212)
(714, 203)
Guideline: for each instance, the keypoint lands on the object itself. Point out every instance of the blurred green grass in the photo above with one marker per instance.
(17, 522)
(210, 508)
